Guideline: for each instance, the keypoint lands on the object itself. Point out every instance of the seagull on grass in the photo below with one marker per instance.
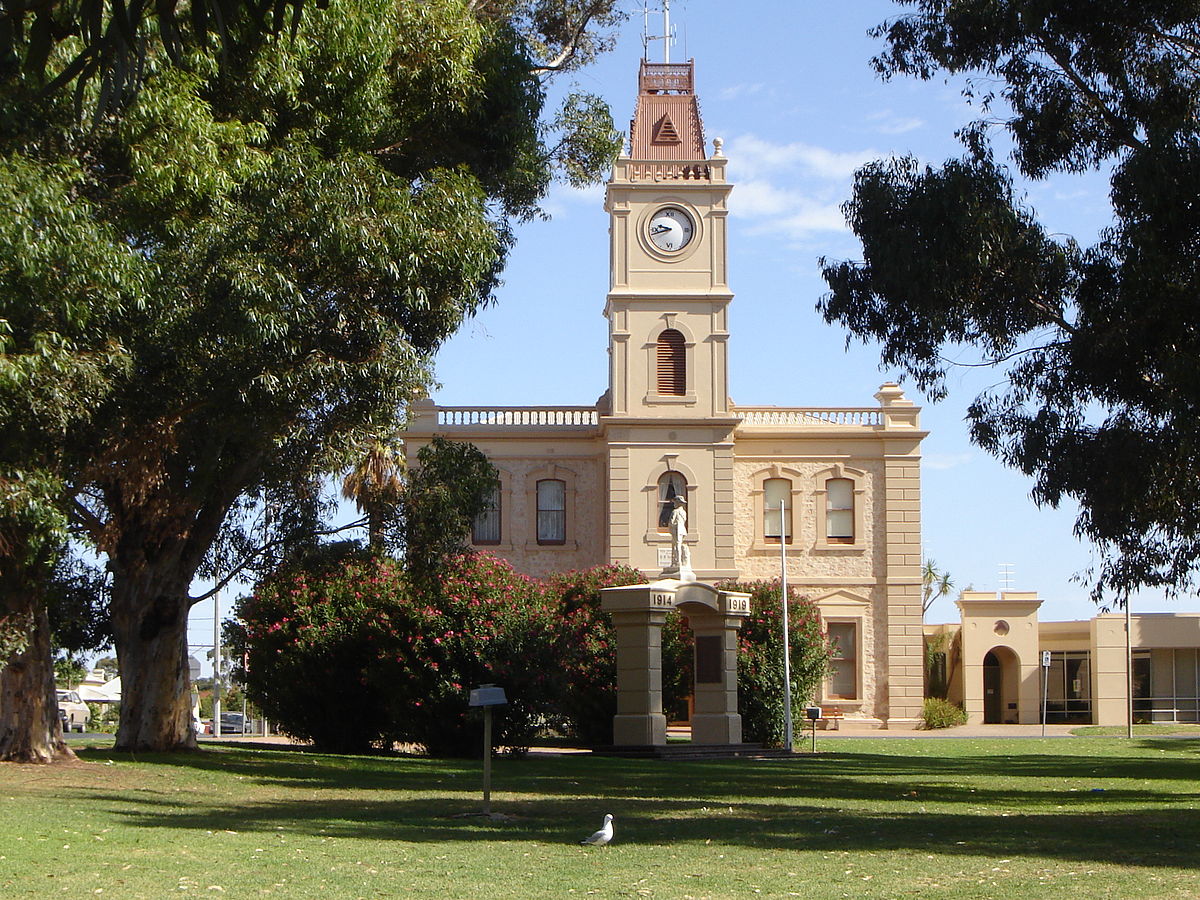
(603, 836)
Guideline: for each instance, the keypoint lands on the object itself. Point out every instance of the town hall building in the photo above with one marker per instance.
(586, 485)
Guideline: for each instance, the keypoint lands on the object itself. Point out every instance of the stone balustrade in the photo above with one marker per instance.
(668, 170)
(871, 417)
(555, 416)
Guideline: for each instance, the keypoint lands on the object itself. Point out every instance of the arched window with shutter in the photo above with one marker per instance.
(672, 363)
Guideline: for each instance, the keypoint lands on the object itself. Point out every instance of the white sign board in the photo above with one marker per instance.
(1045, 659)
(664, 556)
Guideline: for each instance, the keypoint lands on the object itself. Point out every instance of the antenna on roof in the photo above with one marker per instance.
(667, 37)
(1006, 576)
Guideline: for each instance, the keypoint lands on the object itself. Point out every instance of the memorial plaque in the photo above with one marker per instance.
(708, 659)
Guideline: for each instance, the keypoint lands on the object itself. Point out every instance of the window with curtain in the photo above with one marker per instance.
(551, 511)
(672, 363)
(839, 511)
(775, 492)
(670, 486)
(486, 527)
(843, 671)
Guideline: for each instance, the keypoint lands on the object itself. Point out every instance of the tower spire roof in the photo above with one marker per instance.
(666, 122)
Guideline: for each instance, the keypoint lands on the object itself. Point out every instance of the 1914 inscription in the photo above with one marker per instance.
(662, 600)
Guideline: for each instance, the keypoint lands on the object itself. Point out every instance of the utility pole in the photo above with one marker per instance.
(217, 664)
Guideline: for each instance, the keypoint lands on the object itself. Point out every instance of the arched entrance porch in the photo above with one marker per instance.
(1001, 687)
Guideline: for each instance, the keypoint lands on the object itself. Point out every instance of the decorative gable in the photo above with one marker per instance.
(665, 131)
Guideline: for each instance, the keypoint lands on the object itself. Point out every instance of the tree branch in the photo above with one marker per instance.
(999, 360)
(1095, 100)
(572, 45)
(262, 551)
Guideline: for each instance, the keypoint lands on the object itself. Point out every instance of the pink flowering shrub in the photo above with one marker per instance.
(309, 639)
(352, 657)
(481, 623)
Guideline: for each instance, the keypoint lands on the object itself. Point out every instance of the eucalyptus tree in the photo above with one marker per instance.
(1099, 345)
(284, 233)
(110, 40)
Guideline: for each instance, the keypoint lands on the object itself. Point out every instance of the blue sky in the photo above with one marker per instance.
(789, 87)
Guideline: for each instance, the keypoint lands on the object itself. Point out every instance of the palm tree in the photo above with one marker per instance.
(375, 484)
(935, 584)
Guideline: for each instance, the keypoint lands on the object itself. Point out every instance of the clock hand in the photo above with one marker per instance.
(659, 229)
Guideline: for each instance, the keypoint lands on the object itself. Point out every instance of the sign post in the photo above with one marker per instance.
(487, 696)
(1045, 686)
(813, 714)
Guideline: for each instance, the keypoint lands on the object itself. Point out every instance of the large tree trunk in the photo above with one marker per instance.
(149, 610)
(30, 730)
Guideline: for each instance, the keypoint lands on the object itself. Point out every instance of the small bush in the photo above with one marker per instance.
(760, 660)
(312, 640)
(939, 713)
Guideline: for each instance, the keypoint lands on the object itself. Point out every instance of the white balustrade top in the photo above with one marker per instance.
(868, 416)
(589, 417)
(569, 416)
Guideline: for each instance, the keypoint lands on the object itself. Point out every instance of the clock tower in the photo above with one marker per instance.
(838, 489)
(669, 425)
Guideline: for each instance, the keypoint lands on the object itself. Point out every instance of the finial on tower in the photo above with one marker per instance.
(667, 37)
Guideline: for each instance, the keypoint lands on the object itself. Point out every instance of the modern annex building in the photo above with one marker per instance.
(586, 485)
(995, 658)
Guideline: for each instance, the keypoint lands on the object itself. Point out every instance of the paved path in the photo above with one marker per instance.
(960, 731)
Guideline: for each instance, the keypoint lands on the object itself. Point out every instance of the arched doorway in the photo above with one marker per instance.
(993, 688)
(1000, 675)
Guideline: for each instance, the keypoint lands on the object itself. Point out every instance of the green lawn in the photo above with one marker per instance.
(1074, 818)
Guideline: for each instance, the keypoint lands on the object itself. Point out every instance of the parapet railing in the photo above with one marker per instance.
(570, 416)
(779, 415)
(589, 417)
(626, 169)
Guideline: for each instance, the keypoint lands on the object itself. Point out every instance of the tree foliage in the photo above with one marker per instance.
(1098, 344)
(449, 487)
(112, 41)
(935, 584)
(208, 301)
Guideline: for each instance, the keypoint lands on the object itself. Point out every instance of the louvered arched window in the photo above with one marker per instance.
(672, 363)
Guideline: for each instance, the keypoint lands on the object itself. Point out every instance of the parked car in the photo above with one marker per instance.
(73, 711)
(235, 723)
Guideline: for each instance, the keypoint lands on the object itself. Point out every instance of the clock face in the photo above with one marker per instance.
(671, 229)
